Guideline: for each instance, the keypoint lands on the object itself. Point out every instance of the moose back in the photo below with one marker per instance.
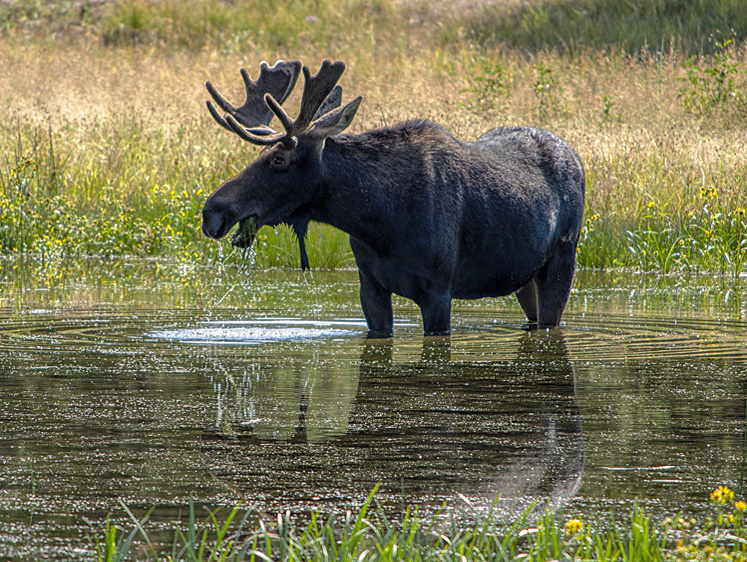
(430, 217)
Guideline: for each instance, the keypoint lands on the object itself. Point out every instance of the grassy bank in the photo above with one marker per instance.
(369, 534)
(108, 149)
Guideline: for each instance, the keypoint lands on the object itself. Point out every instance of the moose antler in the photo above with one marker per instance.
(333, 101)
(319, 97)
(277, 81)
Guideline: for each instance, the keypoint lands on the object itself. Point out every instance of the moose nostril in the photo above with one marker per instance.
(212, 225)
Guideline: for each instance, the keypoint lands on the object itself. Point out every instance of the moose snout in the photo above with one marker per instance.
(212, 226)
(214, 221)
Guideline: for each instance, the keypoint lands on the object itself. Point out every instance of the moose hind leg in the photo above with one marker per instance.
(527, 296)
(554, 285)
(376, 302)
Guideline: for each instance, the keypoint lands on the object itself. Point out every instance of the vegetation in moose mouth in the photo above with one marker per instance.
(245, 233)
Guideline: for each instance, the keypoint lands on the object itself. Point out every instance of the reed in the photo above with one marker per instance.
(371, 534)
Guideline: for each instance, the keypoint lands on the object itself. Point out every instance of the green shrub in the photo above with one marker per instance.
(714, 83)
(490, 89)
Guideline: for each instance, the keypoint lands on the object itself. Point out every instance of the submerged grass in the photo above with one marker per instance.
(108, 150)
(369, 534)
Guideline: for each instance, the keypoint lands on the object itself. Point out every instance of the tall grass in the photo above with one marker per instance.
(575, 26)
(107, 148)
(371, 534)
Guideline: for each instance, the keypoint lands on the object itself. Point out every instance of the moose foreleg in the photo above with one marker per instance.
(527, 296)
(436, 311)
(376, 302)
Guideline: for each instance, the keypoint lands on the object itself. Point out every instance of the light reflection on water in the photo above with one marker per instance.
(254, 335)
(117, 383)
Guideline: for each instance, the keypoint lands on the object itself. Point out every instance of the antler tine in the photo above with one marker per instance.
(214, 112)
(277, 80)
(316, 90)
(256, 135)
(333, 101)
(258, 130)
(280, 114)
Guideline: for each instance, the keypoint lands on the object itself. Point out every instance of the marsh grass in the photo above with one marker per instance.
(371, 534)
(107, 149)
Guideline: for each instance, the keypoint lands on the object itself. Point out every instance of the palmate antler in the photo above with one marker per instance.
(251, 120)
(277, 81)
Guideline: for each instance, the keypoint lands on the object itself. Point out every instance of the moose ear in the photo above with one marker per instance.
(333, 122)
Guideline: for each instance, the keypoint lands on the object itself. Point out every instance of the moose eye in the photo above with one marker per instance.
(279, 163)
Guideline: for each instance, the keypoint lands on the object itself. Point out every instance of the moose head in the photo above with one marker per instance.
(277, 185)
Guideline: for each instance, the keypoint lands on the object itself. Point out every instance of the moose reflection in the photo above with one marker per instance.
(431, 430)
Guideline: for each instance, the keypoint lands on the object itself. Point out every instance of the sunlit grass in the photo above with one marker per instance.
(371, 534)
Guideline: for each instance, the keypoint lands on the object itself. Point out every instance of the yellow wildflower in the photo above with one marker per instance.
(573, 526)
(740, 505)
(722, 495)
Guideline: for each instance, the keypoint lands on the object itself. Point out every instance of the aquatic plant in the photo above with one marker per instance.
(714, 83)
(548, 93)
(708, 237)
(722, 536)
(371, 534)
(488, 88)
(722, 495)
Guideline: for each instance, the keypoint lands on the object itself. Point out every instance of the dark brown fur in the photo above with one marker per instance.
(430, 217)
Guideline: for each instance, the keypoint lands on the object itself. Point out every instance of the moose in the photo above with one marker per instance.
(430, 217)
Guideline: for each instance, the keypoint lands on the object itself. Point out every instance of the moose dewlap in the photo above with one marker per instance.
(430, 217)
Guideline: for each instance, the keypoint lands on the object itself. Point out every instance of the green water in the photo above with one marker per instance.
(153, 383)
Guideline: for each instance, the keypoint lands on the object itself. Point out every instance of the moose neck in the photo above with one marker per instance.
(361, 184)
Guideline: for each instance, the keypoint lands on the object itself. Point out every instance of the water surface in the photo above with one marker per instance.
(152, 384)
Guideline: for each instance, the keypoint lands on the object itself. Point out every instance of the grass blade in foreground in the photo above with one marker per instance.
(372, 535)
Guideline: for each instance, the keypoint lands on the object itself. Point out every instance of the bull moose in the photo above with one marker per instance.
(430, 217)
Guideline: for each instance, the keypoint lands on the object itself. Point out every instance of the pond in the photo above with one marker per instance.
(154, 383)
